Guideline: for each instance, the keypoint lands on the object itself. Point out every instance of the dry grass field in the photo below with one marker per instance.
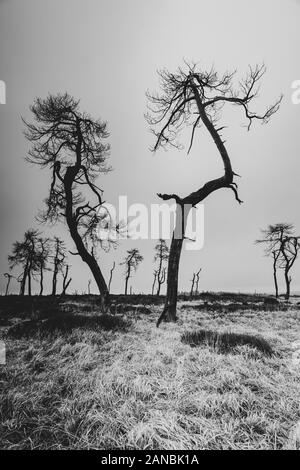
(225, 376)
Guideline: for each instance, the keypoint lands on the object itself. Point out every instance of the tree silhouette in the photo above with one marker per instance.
(66, 281)
(283, 246)
(195, 283)
(193, 97)
(59, 255)
(161, 256)
(72, 145)
(192, 286)
(26, 255)
(111, 275)
(155, 273)
(9, 277)
(197, 280)
(42, 259)
(131, 262)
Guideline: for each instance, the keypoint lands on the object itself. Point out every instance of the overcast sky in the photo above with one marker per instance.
(107, 53)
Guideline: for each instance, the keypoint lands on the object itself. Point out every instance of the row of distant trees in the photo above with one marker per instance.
(282, 245)
(34, 256)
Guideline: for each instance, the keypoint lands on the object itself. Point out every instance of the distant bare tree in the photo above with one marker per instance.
(195, 283)
(26, 255)
(289, 249)
(89, 286)
(192, 287)
(155, 273)
(131, 262)
(59, 255)
(42, 259)
(161, 256)
(111, 275)
(72, 145)
(66, 281)
(193, 97)
(9, 277)
(283, 246)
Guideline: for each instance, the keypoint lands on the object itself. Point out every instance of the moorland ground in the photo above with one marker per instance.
(225, 376)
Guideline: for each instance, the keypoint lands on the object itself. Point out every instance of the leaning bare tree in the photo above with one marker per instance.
(131, 263)
(161, 257)
(111, 275)
(72, 145)
(190, 98)
(197, 280)
(9, 277)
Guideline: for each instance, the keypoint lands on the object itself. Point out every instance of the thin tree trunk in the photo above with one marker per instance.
(29, 283)
(275, 281)
(41, 281)
(192, 288)
(126, 284)
(111, 275)
(65, 287)
(7, 285)
(54, 279)
(154, 282)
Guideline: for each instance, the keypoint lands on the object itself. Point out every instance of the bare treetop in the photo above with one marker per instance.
(182, 92)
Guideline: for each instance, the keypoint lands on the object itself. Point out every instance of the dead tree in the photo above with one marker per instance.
(197, 280)
(154, 280)
(25, 254)
(89, 286)
(192, 287)
(66, 281)
(72, 145)
(111, 275)
(161, 256)
(194, 97)
(42, 259)
(289, 249)
(9, 277)
(278, 239)
(131, 262)
(59, 255)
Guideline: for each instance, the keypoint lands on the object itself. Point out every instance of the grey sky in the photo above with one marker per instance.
(106, 53)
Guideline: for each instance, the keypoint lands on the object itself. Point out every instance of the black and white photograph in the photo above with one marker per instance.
(149, 228)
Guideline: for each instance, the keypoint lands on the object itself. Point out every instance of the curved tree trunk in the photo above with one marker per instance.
(85, 255)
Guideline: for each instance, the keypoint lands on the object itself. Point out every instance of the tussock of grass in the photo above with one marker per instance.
(226, 342)
(143, 388)
(65, 324)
